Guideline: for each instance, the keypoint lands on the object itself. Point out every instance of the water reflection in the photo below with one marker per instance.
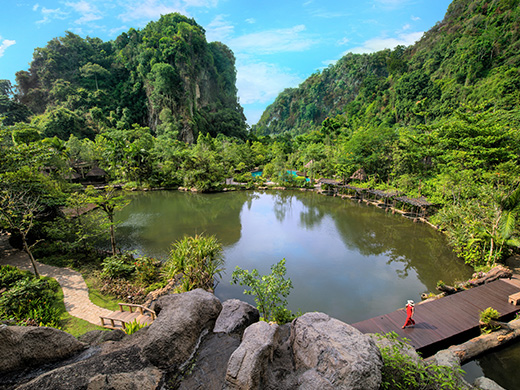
(500, 366)
(154, 220)
(349, 260)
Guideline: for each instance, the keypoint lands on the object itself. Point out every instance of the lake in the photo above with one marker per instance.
(350, 260)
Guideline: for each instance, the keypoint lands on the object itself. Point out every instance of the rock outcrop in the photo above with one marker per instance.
(197, 343)
(314, 352)
(22, 346)
(235, 317)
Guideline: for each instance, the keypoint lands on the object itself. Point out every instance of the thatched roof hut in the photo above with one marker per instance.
(96, 173)
(360, 175)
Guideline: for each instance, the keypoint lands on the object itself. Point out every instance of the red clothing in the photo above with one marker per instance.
(409, 313)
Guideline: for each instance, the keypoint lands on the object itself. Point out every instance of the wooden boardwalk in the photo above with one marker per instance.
(449, 320)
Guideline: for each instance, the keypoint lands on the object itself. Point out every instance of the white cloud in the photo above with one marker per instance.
(376, 44)
(415, 18)
(88, 11)
(219, 29)
(148, 9)
(393, 3)
(406, 27)
(115, 31)
(5, 44)
(35, 7)
(251, 20)
(343, 41)
(260, 82)
(152, 9)
(320, 13)
(329, 62)
(49, 14)
(273, 41)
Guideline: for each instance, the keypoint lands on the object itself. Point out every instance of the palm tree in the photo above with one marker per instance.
(503, 230)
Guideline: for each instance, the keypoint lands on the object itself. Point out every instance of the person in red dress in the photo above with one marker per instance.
(410, 310)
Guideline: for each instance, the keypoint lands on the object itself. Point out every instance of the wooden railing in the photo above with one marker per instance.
(142, 309)
(119, 319)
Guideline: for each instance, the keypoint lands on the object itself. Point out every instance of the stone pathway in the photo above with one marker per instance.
(75, 291)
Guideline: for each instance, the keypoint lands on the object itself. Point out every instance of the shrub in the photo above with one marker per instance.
(487, 317)
(198, 259)
(400, 371)
(147, 270)
(122, 289)
(9, 275)
(270, 291)
(118, 266)
(28, 300)
(133, 327)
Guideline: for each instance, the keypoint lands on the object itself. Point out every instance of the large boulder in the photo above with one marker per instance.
(235, 317)
(79, 375)
(314, 352)
(182, 320)
(330, 354)
(247, 365)
(22, 346)
(209, 366)
(144, 359)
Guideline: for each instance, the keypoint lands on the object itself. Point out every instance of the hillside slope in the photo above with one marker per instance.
(471, 57)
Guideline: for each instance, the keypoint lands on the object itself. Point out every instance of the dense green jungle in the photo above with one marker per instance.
(158, 108)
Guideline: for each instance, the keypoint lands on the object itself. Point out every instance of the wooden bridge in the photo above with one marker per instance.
(119, 319)
(449, 320)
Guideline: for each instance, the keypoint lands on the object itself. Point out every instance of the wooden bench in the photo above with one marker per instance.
(119, 319)
(514, 299)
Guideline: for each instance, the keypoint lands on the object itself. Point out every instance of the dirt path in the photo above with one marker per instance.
(75, 291)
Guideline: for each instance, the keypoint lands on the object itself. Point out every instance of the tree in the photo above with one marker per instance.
(270, 291)
(502, 231)
(109, 201)
(19, 208)
(96, 70)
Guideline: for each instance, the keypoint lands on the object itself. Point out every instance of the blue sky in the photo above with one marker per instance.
(277, 43)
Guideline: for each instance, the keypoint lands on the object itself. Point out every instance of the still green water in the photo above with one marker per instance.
(349, 260)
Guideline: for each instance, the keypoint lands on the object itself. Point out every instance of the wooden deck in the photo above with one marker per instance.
(119, 319)
(449, 320)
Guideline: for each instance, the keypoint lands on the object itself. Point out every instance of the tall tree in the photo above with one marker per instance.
(109, 201)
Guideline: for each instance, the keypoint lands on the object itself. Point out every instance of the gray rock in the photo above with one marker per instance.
(152, 353)
(335, 353)
(235, 317)
(22, 346)
(183, 318)
(97, 337)
(78, 375)
(446, 358)
(249, 362)
(484, 383)
(209, 367)
(147, 379)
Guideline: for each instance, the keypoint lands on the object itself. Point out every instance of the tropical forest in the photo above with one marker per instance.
(92, 122)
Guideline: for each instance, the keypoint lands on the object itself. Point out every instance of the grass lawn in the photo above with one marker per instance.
(96, 297)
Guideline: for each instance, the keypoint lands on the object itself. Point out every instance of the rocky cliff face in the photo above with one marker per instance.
(165, 76)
